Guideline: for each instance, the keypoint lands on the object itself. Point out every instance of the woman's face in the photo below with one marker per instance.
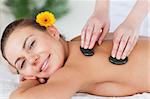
(35, 53)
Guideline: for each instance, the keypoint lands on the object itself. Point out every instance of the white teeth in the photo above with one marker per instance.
(44, 65)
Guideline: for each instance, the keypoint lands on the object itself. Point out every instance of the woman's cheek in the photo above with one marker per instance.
(41, 47)
(29, 71)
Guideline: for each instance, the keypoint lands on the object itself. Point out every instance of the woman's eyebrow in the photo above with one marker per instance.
(23, 47)
(25, 41)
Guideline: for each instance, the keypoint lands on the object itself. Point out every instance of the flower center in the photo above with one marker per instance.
(45, 20)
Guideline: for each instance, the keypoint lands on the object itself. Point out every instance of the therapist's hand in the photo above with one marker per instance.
(94, 30)
(126, 35)
(125, 38)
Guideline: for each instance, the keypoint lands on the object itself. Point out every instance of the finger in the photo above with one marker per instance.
(104, 32)
(116, 42)
(128, 47)
(83, 36)
(122, 46)
(132, 46)
(95, 36)
(88, 35)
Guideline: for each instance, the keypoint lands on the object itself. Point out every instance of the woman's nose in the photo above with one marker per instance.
(33, 58)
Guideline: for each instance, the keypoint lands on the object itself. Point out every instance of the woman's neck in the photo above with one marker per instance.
(66, 48)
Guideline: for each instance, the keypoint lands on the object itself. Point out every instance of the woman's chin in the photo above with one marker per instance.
(50, 71)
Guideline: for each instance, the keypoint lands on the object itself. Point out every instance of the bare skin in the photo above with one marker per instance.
(94, 75)
(123, 78)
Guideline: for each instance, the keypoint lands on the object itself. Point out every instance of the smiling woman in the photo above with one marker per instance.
(38, 52)
(28, 47)
(13, 26)
(7, 80)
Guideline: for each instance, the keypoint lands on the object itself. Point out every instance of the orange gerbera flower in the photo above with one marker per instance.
(45, 19)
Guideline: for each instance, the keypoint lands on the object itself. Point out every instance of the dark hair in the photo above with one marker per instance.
(14, 25)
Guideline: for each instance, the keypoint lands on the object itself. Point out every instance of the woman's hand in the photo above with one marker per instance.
(125, 38)
(94, 30)
(41, 80)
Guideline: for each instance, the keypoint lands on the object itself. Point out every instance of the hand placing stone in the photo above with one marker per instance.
(118, 62)
(87, 52)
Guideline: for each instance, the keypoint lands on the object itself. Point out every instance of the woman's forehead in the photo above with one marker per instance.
(21, 33)
(15, 42)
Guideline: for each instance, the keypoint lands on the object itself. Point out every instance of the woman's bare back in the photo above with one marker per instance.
(115, 80)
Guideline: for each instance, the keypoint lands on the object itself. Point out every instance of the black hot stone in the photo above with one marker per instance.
(87, 52)
(118, 62)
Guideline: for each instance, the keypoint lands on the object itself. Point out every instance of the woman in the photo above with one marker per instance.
(37, 52)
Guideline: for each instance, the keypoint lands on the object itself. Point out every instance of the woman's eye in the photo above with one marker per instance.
(32, 44)
(22, 64)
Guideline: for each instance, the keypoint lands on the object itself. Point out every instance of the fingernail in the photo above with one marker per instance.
(118, 57)
(85, 47)
(123, 57)
(82, 45)
(90, 47)
(113, 55)
(99, 42)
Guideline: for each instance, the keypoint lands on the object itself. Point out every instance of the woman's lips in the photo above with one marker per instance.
(45, 64)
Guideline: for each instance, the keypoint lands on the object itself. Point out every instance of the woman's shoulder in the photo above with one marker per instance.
(77, 38)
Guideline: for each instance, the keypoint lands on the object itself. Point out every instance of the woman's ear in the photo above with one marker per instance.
(53, 32)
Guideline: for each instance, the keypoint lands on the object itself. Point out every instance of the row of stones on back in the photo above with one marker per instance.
(90, 52)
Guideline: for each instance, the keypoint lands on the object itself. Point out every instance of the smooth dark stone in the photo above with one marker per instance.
(87, 52)
(118, 62)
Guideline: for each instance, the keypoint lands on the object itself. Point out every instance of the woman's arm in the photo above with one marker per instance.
(127, 33)
(62, 85)
(138, 13)
(102, 7)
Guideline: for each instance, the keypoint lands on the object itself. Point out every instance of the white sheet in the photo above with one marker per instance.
(6, 87)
